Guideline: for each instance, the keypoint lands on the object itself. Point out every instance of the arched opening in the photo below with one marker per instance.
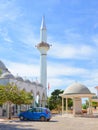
(37, 101)
(43, 102)
(33, 101)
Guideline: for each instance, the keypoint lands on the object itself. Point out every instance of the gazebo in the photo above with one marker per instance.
(76, 92)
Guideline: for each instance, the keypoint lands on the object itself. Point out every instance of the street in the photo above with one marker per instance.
(56, 123)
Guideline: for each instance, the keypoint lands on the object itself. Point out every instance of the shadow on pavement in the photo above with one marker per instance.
(33, 121)
(9, 126)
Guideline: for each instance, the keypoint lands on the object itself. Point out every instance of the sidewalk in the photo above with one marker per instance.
(3, 119)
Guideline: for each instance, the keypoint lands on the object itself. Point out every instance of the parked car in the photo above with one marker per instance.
(37, 113)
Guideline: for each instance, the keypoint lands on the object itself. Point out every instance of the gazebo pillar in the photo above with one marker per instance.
(66, 105)
(62, 105)
(90, 107)
(74, 105)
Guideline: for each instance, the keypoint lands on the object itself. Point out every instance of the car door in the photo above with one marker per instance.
(33, 114)
(38, 113)
(29, 114)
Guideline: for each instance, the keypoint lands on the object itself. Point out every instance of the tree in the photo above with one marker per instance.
(11, 94)
(55, 101)
(0, 72)
(94, 104)
(70, 102)
(87, 103)
(2, 95)
(84, 106)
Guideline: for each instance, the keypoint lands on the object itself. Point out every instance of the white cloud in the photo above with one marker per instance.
(60, 83)
(27, 36)
(4, 34)
(95, 39)
(33, 70)
(71, 35)
(58, 69)
(24, 70)
(9, 11)
(70, 51)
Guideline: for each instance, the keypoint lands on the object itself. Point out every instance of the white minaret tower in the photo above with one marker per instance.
(43, 47)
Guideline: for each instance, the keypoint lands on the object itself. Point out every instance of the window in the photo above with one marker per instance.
(38, 109)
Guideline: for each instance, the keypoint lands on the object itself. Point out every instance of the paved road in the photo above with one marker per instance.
(56, 123)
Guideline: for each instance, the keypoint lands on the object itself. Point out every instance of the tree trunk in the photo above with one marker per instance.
(10, 111)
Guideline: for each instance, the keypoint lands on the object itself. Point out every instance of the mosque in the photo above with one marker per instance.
(39, 90)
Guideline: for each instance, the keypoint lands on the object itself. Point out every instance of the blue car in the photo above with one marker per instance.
(38, 113)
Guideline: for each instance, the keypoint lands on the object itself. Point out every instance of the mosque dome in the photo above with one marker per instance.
(2, 66)
(19, 78)
(7, 75)
(40, 85)
(34, 83)
(27, 81)
(77, 88)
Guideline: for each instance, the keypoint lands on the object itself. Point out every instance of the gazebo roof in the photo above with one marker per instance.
(77, 90)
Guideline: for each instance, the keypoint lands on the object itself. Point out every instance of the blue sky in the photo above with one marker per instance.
(72, 29)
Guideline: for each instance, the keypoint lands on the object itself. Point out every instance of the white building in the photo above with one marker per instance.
(39, 90)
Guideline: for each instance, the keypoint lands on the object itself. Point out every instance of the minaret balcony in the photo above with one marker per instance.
(43, 46)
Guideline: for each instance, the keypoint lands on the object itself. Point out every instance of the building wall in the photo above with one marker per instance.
(35, 88)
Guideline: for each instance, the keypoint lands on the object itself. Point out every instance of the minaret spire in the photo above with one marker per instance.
(43, 25)
(43, 31)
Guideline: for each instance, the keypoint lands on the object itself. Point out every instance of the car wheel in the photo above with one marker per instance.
(21, 118)
(42, 118)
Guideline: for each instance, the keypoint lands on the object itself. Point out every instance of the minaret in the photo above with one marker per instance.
(43, 47)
